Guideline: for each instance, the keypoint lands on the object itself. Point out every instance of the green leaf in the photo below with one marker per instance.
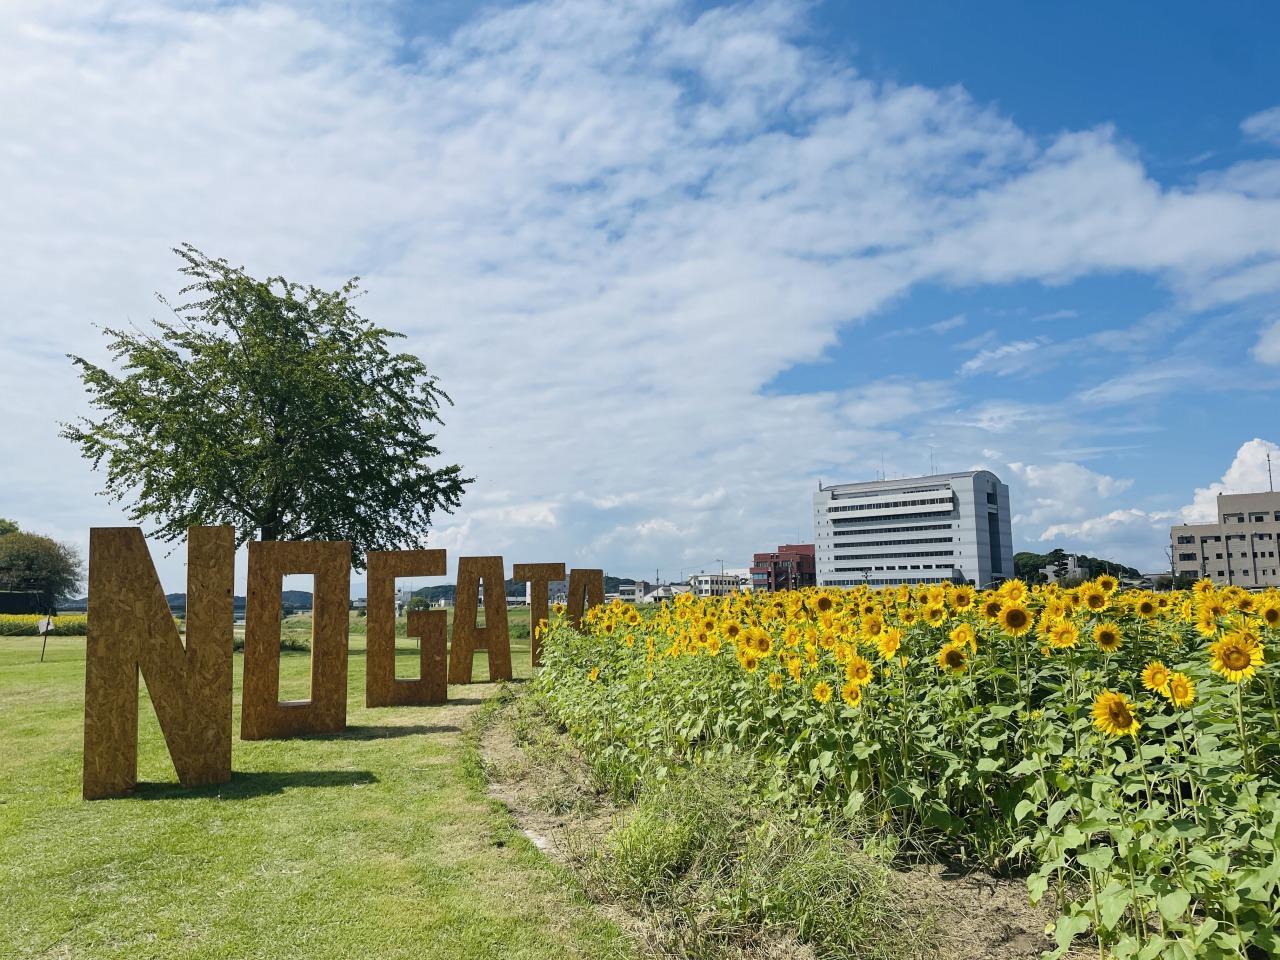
(1112, 903)
(1173, 905)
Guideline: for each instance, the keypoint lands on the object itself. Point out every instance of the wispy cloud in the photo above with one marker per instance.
(1264, 125)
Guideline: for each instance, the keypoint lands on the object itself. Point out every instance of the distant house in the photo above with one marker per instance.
(1072, 570)
(635, 592)
(664, 591)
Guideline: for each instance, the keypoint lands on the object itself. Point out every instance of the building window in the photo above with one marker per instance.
(1185, 539)
(1186, 556)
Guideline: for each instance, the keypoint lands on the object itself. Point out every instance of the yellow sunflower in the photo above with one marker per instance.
(776, 681)
(1269, 612)
(1063, 635)
(962, 597)
(953, 658)
(934, 615)
(1156, 676)
(594, 675)
(1015, 620)
(1107, 582)
(889, 642)
(991, 608)
(962, 635)
(1092, 596)
(1182, 690)
(1108, 638)
(1145, 607)
(762, 642)
(858, 670)
(1113, 714)
(1234, 657)
(851, 693)
(822, 691)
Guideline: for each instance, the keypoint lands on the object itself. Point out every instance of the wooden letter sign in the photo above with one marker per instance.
(586, 590)
(467, 634)
(131, 629)
(381, 688)
(262, 715)
(538, 576)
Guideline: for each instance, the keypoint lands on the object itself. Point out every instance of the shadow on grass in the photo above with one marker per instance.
(255, 784)
(385, 732)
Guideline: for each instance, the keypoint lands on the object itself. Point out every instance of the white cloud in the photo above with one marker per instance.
(1002, 360)
(605, 225)
(1102, 530)
(1263, 126)
(1043, 493)
(1142, 535)
(951, 323)
(1247, 474)
(1267, 349)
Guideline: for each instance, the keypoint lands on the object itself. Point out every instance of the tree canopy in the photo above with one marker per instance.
(34, 564)
(272, 407)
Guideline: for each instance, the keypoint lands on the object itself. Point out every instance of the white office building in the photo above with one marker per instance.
(714, 585)
(953, 526)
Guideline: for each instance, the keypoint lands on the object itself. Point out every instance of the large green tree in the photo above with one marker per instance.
(270, 406)
(34, 564)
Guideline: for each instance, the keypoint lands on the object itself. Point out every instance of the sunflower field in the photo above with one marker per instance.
(28, 625)
(1119, 748)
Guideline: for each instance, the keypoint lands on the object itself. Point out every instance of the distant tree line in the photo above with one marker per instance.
(1029, 567)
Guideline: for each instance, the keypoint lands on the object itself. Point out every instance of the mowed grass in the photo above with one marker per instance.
(379, 842)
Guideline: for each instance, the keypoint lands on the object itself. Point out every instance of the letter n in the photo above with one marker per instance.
(132, 630)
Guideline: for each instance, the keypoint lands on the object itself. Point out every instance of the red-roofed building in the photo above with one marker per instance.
(790, 567)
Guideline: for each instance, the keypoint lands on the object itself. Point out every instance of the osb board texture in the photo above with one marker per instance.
(539, 576)
(262, 715)
(131, 629)
(382, 688)
(431, 627)
(494, 636)
(586, 590)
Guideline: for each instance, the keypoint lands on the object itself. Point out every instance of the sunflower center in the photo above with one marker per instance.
(1236, 658)
(1016, 619)
(1119, 714)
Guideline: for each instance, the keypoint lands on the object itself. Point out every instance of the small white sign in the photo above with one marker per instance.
(45, 625)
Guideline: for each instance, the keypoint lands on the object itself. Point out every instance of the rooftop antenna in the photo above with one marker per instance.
(931, 470)
(1271, 486)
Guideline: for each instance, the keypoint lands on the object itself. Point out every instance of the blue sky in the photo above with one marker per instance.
(722, 250)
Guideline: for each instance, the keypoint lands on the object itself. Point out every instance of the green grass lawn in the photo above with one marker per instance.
(378, 842)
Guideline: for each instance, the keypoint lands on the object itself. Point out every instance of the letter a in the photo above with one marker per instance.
(132, 630)
(494, 636)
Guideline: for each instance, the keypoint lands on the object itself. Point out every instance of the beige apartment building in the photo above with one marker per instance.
(1241, 547)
